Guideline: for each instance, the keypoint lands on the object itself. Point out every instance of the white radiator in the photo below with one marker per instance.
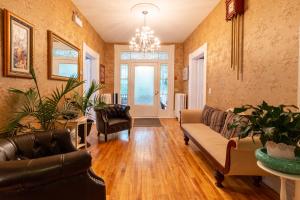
(106, 98)
(180, 103)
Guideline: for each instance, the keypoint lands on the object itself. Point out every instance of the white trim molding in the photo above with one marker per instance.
(201, 52)
(88, 51)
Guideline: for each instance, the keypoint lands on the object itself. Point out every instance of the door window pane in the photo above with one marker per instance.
(163, 55)
(132, 55)
(144, 85)
(164, 86)
(124, 83)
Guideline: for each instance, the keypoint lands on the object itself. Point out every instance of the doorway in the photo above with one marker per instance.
(91, 61)
(145, 81)
(197, 78)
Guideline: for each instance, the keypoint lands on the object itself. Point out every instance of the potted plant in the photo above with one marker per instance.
(84, 103)
(37, 112)
(278, 127)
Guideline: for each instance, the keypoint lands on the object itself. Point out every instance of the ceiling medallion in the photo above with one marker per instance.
(144, 39)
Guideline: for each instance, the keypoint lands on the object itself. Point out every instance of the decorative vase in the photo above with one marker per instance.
(280, 150)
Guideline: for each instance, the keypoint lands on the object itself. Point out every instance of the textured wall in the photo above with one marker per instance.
(109, 66)
(54, 15)
(270, 54)
(271, 51)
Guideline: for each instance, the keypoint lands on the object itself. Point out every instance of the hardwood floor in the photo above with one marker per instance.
(154, 164)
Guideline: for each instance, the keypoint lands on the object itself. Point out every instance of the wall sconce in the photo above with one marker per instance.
(76, 19)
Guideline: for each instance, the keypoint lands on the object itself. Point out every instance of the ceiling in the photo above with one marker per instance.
(115, 22)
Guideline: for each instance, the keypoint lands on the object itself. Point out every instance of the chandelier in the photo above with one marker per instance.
(144, 39)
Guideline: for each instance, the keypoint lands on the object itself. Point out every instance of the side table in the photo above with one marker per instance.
(283, 178)
(73, 125)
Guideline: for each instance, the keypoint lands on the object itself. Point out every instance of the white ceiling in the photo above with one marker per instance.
(176, 20)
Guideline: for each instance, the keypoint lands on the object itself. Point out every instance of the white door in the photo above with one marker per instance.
(144, 90)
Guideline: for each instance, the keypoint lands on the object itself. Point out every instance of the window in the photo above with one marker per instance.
(164, 86)
(67, 70)
(128, 55)
(124, 83)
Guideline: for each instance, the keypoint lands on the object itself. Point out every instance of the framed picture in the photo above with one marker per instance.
(102, 74)
(18, 46)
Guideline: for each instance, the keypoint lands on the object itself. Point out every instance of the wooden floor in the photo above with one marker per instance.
(154, 164)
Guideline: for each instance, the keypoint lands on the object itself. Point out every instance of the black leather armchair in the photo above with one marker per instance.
(112, 119)
(46, 166)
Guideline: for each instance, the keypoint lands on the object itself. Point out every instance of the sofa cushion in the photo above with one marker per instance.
(217, 120)
(206, 115)
(233, 132)
(209, 139)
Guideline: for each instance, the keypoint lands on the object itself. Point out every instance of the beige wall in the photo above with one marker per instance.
(270, 54)
(54, 15)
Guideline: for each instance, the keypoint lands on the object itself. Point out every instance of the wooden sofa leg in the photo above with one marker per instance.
(105, 137)
(219, 179)
(257, 180)
(186, 140)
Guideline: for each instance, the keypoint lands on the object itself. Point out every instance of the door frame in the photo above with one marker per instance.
(198, 53)
(169, 113)
(95, 64)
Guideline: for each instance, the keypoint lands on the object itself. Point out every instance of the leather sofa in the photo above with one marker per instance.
(228, 156)
(113, 118)
(46, 166)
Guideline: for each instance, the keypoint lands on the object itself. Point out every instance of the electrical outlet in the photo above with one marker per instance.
(209, 90)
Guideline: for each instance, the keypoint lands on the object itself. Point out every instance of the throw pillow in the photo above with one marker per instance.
(206, 115)
(230, 133)
(217, 120)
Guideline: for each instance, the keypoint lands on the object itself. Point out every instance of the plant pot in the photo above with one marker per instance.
(282, 165)
(81, 129)
(280, 150)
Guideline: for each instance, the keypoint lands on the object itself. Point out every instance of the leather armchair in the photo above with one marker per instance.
(112, 119)
(46, 166)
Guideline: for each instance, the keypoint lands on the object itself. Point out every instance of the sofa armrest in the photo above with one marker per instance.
(248, 143)
(30, 173)
(190, 116)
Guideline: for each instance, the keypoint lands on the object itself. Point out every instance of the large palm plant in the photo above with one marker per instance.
(44, 110)
(84, 102)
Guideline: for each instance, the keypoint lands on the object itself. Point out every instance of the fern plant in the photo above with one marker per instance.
(44, 110)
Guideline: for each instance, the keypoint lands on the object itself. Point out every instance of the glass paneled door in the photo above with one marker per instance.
(144, 90)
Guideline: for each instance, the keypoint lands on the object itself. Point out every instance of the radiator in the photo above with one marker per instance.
(180, 103)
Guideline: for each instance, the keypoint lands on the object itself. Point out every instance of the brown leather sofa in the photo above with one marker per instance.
(112, 119)
(46, 166)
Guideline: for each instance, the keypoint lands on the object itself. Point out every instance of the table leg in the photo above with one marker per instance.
(297, 190)
(76, 136)
(282, 188)
(85, 135)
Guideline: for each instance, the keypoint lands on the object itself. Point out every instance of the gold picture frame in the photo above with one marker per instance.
(18, 46)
